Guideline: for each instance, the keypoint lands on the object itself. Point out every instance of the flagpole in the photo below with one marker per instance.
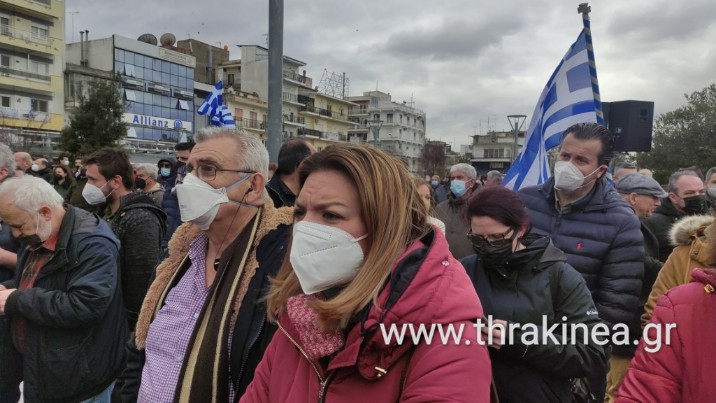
(584, 9)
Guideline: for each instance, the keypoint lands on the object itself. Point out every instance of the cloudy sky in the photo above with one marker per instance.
(464, 62)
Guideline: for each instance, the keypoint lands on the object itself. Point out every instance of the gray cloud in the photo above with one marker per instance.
(461, 61)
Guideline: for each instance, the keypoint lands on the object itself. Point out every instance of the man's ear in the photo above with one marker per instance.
(256, 184)
(45, 212)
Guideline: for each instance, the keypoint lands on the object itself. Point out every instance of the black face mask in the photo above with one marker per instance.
(58, 178)
(140, 183)
(695, 205)
(492, 254)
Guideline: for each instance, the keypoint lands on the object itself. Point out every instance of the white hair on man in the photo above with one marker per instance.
(253, 155)
(467, 169)
(494, 175)
(30, 193)
(151, 170)
(7, 159)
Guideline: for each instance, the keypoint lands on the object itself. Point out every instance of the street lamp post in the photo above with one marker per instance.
(375, 125)
(516, 122)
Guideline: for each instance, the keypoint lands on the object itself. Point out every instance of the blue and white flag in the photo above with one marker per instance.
(571, 96)
(214, 107)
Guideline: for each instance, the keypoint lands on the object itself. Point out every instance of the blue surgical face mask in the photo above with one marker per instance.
(434, 183)
(458, 187)
(165, 171)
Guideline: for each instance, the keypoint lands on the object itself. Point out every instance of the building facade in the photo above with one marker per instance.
(32, 48)
(318, 118)
(157, 84)
(401, 126)
(494, 151)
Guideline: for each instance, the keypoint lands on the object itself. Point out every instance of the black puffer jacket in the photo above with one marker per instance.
(660, 223)
(170, 202)
(140, 225)
(601, 237)
(76, 327)
(537, 282)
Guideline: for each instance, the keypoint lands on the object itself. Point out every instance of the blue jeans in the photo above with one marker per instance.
(103, 397)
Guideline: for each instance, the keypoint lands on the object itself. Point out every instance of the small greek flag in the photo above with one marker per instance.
(571, 96)
(214, 107)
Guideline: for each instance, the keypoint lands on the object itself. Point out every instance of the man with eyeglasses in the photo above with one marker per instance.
(203, 329)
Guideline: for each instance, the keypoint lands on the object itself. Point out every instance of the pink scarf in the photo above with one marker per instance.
(316, 342)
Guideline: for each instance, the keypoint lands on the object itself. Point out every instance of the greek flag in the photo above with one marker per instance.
(214, 107)
(570, 96)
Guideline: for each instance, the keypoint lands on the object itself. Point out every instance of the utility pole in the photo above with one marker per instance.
(275, 79)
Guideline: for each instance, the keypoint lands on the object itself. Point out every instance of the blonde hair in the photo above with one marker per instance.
(383, 183)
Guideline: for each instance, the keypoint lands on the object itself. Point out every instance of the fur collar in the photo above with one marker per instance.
(179, 247)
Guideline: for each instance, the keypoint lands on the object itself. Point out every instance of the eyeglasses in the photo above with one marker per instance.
(208, 172)
(491, 239)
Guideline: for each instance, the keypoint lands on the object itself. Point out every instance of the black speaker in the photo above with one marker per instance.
(631, 122)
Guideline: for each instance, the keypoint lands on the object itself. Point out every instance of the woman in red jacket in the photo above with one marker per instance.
(364, 263)
(675, 358)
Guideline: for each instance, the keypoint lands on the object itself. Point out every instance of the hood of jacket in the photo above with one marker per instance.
(601, 197)
(690, 227)
(171, 162)
(427, 286)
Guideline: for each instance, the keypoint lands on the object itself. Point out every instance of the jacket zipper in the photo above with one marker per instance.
(322, 382)
(246, 354)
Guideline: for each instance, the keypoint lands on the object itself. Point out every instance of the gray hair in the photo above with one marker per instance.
(252, 156)
(467, 169)
(150, 169)
(671, 187)
(7, 159)
(30, 193)
(494, 175)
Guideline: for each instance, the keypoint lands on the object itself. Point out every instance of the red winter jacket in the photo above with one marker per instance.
(439, 292)
(683, 371)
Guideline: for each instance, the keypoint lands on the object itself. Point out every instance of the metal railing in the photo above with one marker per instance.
(8, 30)
(27, 115)
(6, 71)
(250, 123)
(295, 77)
(324, 112)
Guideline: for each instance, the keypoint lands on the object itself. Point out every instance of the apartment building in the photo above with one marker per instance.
(32, 48)
(398, 128)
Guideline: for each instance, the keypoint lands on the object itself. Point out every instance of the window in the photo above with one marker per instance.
(39, 33)
(38, 105)
(130, 95)
(376, 117)
(183, 105)
(40, 68)
(5, 26)
(129, 70)
(5, 61)
(494, 153)
(5, 102)
(230, 80)
(389, 118)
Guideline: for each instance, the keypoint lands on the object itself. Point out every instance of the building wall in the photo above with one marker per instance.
(494, 151)
(208, 58)
(157, 84)
(31, 65)
(403, 126)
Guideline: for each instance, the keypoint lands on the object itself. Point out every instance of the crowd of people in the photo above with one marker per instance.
(214, 276)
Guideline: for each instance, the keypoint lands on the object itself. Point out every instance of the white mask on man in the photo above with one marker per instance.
(568, 178)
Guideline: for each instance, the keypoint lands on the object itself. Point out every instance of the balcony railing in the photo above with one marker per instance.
(45, 2)
(250, 124)
(6, 71)
(288, 97)
(294, 119)
(302, 131)
(324, 112)
(295, 77)
(13, 32)
(26, 114)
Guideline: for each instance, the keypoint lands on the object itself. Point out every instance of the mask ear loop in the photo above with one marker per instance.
(236, 213)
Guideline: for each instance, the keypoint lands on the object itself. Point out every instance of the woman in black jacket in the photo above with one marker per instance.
(523, 279)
